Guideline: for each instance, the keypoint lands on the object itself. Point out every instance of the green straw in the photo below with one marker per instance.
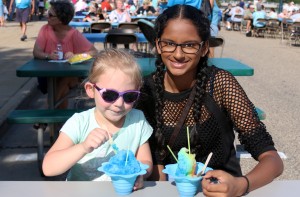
(172, 153)
(188, 138)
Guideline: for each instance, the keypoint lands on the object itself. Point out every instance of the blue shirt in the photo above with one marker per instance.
(256, 15)
(23, 3)
(194, 3)
(215, 14)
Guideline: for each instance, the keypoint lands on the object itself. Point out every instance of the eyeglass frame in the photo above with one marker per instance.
(161, 48)
(120, 94)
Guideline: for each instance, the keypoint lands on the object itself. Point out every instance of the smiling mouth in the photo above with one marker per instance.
(178, 64)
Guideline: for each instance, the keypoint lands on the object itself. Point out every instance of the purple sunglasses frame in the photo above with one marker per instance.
(120, 94)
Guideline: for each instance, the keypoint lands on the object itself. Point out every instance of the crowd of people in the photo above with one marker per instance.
(250, 12)
(24, 11)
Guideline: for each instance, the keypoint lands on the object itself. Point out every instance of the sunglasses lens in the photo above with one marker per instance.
(110, 96)
(130, 97)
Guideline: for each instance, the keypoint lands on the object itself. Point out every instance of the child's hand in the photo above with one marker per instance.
(139, 183)
(96, 138)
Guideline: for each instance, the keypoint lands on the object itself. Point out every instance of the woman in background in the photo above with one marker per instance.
(57, 31)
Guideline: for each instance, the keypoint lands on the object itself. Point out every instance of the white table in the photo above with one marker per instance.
(97, 189)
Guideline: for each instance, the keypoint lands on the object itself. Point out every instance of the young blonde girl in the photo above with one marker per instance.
(82, 146)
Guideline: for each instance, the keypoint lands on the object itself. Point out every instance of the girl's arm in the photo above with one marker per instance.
(230, 95)
(64, 153)
(62, 156)
(143, 155)
(157, 174)
(269, 167)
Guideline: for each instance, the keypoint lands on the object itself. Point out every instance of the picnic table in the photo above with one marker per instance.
(105, 188)
(100, 37)
(42, 68)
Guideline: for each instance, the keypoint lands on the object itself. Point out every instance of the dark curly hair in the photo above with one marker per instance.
(64, 10)
(203, 27)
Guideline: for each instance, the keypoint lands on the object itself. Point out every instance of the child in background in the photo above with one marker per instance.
(82, 146)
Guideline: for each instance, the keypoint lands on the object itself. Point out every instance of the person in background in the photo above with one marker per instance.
(105, 6)
(257, 15)
(272, 13)
(41, 6)
(162, 5)
(57, 31)
(284, 14)
(295, 17)
(1, 13)
(120, 14)
(24, 9)
(131, 7)
(182, 34)
(226, 12)
(92, 13)
(233, 12)
(80, 6)
(10, 16)
(83, 143)
(248, 18)
(242, 4)
(146, 9)
(214, 25)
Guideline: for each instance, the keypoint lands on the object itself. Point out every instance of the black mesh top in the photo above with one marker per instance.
(231, 100)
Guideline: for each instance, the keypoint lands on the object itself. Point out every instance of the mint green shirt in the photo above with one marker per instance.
(134, 133)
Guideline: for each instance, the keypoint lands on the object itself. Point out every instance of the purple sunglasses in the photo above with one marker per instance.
(110, 96)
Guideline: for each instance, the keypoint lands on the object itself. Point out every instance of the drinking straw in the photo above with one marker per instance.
(205, 165)
(172, 153)
(126, 156)
(188, 138)
(111, 141)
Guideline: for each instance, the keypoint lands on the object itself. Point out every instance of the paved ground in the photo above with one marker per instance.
(274, 88)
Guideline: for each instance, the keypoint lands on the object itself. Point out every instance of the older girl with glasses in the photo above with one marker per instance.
(219, 107)
(82, 146)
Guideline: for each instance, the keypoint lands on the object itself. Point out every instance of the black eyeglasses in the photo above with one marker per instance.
(110, 96)
(189, 48)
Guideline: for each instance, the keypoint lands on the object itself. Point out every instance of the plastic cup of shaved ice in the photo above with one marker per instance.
(123, 176)
(187, 186)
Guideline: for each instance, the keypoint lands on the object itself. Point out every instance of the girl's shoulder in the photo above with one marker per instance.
(219, 76)
(135, 115)
(84, 115)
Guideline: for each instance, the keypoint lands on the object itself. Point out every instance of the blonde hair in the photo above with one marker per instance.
(116, 59)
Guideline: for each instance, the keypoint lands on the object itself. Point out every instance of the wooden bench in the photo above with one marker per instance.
(40, 118)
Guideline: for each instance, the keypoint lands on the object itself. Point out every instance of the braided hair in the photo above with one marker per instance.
(203, 28)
